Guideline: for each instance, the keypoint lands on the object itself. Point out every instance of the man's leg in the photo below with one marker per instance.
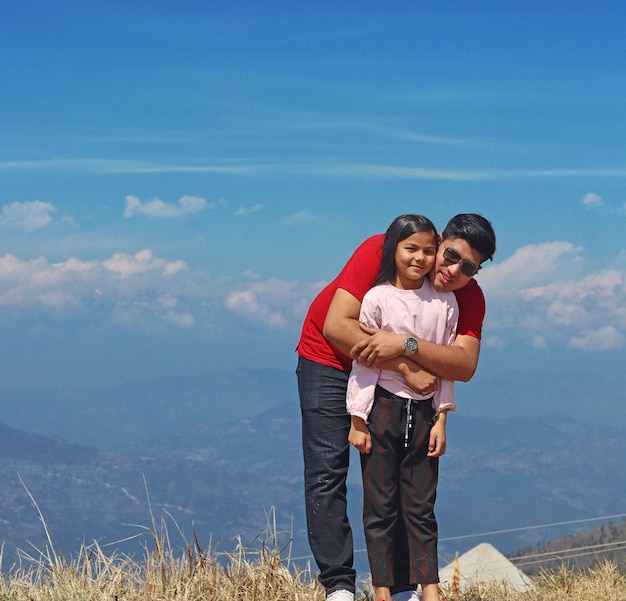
(325, 427)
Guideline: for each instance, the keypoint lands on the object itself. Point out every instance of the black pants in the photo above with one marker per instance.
(399, 490)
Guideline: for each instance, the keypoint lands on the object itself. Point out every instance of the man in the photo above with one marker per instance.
(331, 336)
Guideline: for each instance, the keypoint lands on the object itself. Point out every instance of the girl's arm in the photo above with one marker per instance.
(438, 441)
(359, 436)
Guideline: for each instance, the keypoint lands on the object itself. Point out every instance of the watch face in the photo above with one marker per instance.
(410, 344)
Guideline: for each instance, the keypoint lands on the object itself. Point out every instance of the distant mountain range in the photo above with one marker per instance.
(214, 453)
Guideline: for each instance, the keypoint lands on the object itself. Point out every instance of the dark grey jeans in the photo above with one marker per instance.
(325, 427)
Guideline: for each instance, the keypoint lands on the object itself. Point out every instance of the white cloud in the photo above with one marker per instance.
(322, 168)
(126, 265)
(247, 210)
(187, 205)
(272, 303)
(27, 216)
(145, 291)
(592, 200)
(528, 266)
(542, 294)
(250, 274)
(495, 342)
(606, 338)
(143, 285)
(302, 217)
(538, 342)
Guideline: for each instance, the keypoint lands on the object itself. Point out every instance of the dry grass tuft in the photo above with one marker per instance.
(248, 575)
(256, 572)
(603, 583)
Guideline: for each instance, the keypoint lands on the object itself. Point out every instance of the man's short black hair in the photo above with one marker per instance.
(475, 230)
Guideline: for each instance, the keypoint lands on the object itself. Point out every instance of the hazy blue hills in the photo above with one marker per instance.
(126, 415)
(86, 494)
(218, 450)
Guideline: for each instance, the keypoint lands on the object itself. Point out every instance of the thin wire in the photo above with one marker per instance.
(606, 517)
(562, 555)
(566, 551)
(504, 531)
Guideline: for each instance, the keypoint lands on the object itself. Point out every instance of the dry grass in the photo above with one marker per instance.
(603, 583)
(257, 572)
(247, 575)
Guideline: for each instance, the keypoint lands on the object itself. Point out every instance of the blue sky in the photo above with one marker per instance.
(178, 180)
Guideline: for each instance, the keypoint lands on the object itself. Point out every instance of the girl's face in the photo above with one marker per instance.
(415, 257)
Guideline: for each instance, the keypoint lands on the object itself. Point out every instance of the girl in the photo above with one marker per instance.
(406, 433)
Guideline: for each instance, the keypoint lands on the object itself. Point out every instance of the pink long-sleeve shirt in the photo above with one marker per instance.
(424, 313)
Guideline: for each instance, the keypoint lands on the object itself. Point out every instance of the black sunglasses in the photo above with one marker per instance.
(453, 257)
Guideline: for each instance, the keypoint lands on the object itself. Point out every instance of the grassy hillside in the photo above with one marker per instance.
(577, 551)
(258, 572)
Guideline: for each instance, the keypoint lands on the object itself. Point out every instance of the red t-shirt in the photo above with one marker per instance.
(357, 277)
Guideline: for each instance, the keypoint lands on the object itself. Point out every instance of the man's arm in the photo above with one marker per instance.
(457, 362)
(341, 326)
(373, 347)
(343, 329)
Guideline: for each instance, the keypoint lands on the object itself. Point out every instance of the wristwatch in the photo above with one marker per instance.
(410, 346)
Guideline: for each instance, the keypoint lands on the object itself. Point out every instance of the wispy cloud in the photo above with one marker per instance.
(124, 284)
(592, 200)
(272, 303)
(395, 133)
(126, 265)
(607, 338)
(144, 291)
(27, 216)
(247, 210)
(320, 168)
(595, 201)
(543, 295)
(187, 205)
(302, 217)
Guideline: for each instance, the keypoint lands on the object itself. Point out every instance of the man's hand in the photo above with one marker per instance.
(437, 442)
(359, 436)
(380, 345)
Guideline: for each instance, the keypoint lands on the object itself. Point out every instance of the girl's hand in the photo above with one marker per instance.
(437, 442)
(359, 436)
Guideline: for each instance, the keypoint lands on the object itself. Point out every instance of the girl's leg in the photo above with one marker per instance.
(382, 593)
(381, 496)
(419, 476)
(430, 591)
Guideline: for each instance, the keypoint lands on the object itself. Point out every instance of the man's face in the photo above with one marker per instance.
(448, 276)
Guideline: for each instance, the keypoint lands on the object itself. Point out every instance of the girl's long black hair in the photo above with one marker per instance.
(401, 228)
